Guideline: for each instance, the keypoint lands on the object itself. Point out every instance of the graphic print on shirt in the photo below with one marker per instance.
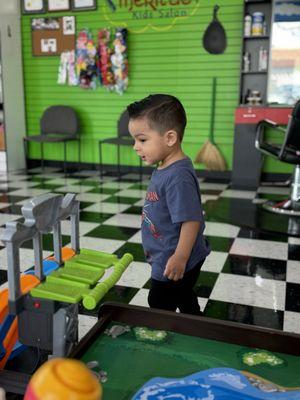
(150, 197)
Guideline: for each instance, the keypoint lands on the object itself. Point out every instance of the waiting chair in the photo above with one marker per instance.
(123, 139)
(288, 152)
(58, 124)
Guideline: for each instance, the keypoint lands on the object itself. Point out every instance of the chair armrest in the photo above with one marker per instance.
(260, 131)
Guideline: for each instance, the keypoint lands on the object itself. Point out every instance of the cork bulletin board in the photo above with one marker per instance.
(52, 36)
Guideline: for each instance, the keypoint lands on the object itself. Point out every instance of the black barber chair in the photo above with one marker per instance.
(288, 152)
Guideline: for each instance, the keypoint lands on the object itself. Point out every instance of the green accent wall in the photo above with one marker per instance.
(165, 56)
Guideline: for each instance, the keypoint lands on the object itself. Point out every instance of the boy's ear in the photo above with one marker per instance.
(171, 137)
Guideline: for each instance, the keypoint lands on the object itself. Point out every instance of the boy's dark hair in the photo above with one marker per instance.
(163, 112)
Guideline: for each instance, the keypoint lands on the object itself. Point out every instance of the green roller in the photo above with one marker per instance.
(91, 300)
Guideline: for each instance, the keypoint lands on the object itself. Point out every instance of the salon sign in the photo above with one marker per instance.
(140, 15)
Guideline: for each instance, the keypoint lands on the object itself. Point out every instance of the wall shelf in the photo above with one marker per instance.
(253, 45)
(254, 72)
(259, 37)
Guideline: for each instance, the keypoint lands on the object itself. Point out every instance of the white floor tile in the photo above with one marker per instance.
(294, 240)
(291, 322)
(293, 271)
(141, 298)
(221, 230)
(238, 194)
(214, 262)
(86, 323)
(116, 185)
(136, 238)
(274, 190)
(4, 218)
(29, 192)
(131, 193)
(212, 186)
(109, 208)
(26, 258)
(136, 275)
(63, 181)
(260, 248)
(92, 197)
(23, 184)
(140, 203)
(202, 301)
(128, 220)
(107, 245)
(84, 227)
(74, 189)
(246, 290)
(4, 205)
(207, 197)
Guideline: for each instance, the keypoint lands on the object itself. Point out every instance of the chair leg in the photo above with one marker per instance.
(42, 157)
(141, 171)
(100, 159)
(79, 155)
(65, 157)
(26, 153)
(119, 171)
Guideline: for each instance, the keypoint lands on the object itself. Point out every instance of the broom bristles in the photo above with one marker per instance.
(210, 156)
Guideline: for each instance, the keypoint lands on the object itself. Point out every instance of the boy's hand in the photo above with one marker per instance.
(175, 267)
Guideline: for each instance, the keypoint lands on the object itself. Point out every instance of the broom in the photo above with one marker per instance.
(209, 154)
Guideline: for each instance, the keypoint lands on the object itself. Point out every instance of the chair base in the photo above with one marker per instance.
(285, 207)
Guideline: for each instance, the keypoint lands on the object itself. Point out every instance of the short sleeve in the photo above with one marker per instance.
(183, 200)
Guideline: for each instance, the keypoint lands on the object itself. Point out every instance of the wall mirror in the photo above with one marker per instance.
(284, 62)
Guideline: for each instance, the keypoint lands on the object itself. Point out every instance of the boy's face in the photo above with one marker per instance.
(149, 144)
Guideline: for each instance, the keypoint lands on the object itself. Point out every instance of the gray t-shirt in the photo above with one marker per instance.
(173, 197)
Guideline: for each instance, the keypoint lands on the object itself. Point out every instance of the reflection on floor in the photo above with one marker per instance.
(251, 276)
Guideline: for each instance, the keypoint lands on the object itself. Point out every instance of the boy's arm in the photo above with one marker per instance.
(177, 262)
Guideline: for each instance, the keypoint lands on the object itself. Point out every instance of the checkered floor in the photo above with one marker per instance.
(249, 277)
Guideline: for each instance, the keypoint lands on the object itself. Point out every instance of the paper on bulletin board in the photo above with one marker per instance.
(52, 36)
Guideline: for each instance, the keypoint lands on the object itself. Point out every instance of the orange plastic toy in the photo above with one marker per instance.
(63, 379)
(27, 283)
(66, 254)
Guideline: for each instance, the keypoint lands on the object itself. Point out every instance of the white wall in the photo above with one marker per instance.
(12, 80)
(9, 7)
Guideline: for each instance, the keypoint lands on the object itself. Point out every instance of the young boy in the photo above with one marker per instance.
(172, 217)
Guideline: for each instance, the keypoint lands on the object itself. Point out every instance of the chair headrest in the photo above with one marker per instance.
(296, 110)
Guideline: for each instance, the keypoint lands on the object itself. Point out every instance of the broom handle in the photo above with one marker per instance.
(212, 113)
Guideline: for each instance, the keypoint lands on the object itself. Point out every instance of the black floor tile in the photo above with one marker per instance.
(112, 232)
(139, 186)
(244, 314)
(255, 266)
(134, 210)
(135, 249)
(47, 242)
(271, 196)
(292, 302)
(90, 182)
(89, 216)
(85, 204)
(294, 252)
(120, 294)
(13, 209)
(220, 243)
(262, 235)
(122, 200)
(3, 276)
(7, 198)
(205, 283)
(101, 190)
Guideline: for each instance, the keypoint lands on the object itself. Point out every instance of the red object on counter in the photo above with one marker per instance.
(253, 115)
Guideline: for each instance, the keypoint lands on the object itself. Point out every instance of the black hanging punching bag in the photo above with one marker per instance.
(214, 38)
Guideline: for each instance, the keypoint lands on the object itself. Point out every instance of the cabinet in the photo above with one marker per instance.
(13, 113)
(253, 78)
